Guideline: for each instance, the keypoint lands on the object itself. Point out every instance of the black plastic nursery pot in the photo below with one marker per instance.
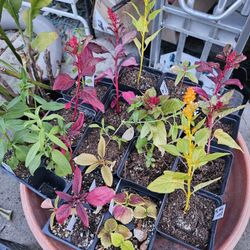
(125, 85)
(224, 164)
(44, 182)
(217, 202)
(148, 171)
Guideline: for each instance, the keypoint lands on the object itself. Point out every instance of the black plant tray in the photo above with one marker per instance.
(44, 182)
(129, 150)
(123, 87)
(227, 169)
(205, 194)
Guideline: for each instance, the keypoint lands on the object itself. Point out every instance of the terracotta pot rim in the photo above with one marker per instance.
(228, 244)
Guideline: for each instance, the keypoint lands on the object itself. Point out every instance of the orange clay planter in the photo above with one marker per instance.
(229, 230)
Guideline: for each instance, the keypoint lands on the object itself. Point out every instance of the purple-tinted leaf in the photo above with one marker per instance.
(203, 67)
(82, 213)
(96, 48)
(66, 197)
(128, 37)
(107, 73)
(201, 92)
(128, 96)
(63, 82)
(77, 125)
(119, 49)
(123, 214)
(88, 95)
(136, 200)
(62, 213)
(221, 57)
(100, 196)
(121, 198)
(77, 181)
(86, 41)
(235, 82)
(129, 62)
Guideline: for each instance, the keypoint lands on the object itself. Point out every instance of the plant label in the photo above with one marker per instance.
(164, 88)
(71, 224)
(219, 212)
(92, 186)
(89, 81)
(8, 168)
(111, 206)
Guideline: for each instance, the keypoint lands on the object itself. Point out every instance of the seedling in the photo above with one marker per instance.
(142, 26)
(190, 148)
(97, 161)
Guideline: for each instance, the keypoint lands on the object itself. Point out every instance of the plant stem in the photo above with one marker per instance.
(18, 76)
(77, 95)
(142, 57)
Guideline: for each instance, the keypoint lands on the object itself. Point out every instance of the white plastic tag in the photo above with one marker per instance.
(219, 212)
(8, 168)
(71, 224)
(92, 186)
(164, 88)
(89, 81)
(111, 206)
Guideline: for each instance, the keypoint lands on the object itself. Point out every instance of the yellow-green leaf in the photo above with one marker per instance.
(127, 245)
(140, 212)
(85, 159)
(43, 40)
(124, 231)
(138, 45)
(171, 149)
(225, 139)
(92, 168)
(151, 38)
(101, 147)
(110, 225)
(153, 14)
(204, 184)
(107, 175)
(37, 5)
(116, 239)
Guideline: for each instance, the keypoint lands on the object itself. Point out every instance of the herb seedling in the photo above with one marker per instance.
(114, 234)
(129, 206)
(142, 26)
(119, 56)
(85, 64)
(75, 204)
(190, 148)
(216, 107)
(93, 162)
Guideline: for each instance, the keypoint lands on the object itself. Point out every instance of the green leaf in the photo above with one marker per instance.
(117, 239)
(57, 141)
(140, 144)
(37, 5)
(183, 145)
(127, 245)
(225, 139)
(136, 9)
(32, 153)
(168, 182)
(171, 106)
(21, 151)
(225, 99)
(138, 45)
(35, 163)
(159, 134)
(191, 77)
(204, 184)
(201, 136)
(52, 106)
(43, 40)
(110, 225)
(179, 77)
(13, 8)
(153, 15)
(145, 130)
(229, 111)
(211, 157)
(151, 38)
(1, 7)
(171, 149)
(52, 117)
(63, 167)
(92, 167)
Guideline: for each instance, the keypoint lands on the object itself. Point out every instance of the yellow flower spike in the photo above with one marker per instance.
(189, 96)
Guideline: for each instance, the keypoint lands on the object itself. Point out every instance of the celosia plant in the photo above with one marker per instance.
(119, 55)
(85, 64)
(191, 148)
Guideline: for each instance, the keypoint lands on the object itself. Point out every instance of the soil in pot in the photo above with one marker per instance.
(193, 227)
(129, 77)
(79, 236)
(226, 127)
(90, 142)
(210, 171)
(135, 168)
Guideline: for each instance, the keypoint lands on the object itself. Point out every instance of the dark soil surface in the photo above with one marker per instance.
(135, 168)
(100, 91)
(79, 236)
(210, 171)
(176, 91)
(226, 127)
(194, 226)
(129, 77)
(90, 143)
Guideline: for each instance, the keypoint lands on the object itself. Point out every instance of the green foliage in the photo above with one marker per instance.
(142, 26)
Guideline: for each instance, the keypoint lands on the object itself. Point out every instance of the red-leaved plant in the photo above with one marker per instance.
(119, 56)
(85, 63)
(75, 204)
(216, 106)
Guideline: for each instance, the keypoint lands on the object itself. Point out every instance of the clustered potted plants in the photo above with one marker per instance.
(137, 154)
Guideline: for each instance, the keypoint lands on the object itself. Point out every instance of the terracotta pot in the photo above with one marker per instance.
(230, 228)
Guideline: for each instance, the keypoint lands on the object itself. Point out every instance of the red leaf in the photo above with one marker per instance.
(113, 103)
(100, 196)
(88, 95)
(63, 212)
(96, 48)
(82, 213)
(136, 200)
(203, 67)
(128, 96)
(77, 181)
(63, 82)
(77, 125)
(129, 62)
(67, 105)
(123, 214)
(119, 50)
(235, 82)
(64, 196)
(107, 73)
(121, 198)
(128, 37)
(201, 92)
